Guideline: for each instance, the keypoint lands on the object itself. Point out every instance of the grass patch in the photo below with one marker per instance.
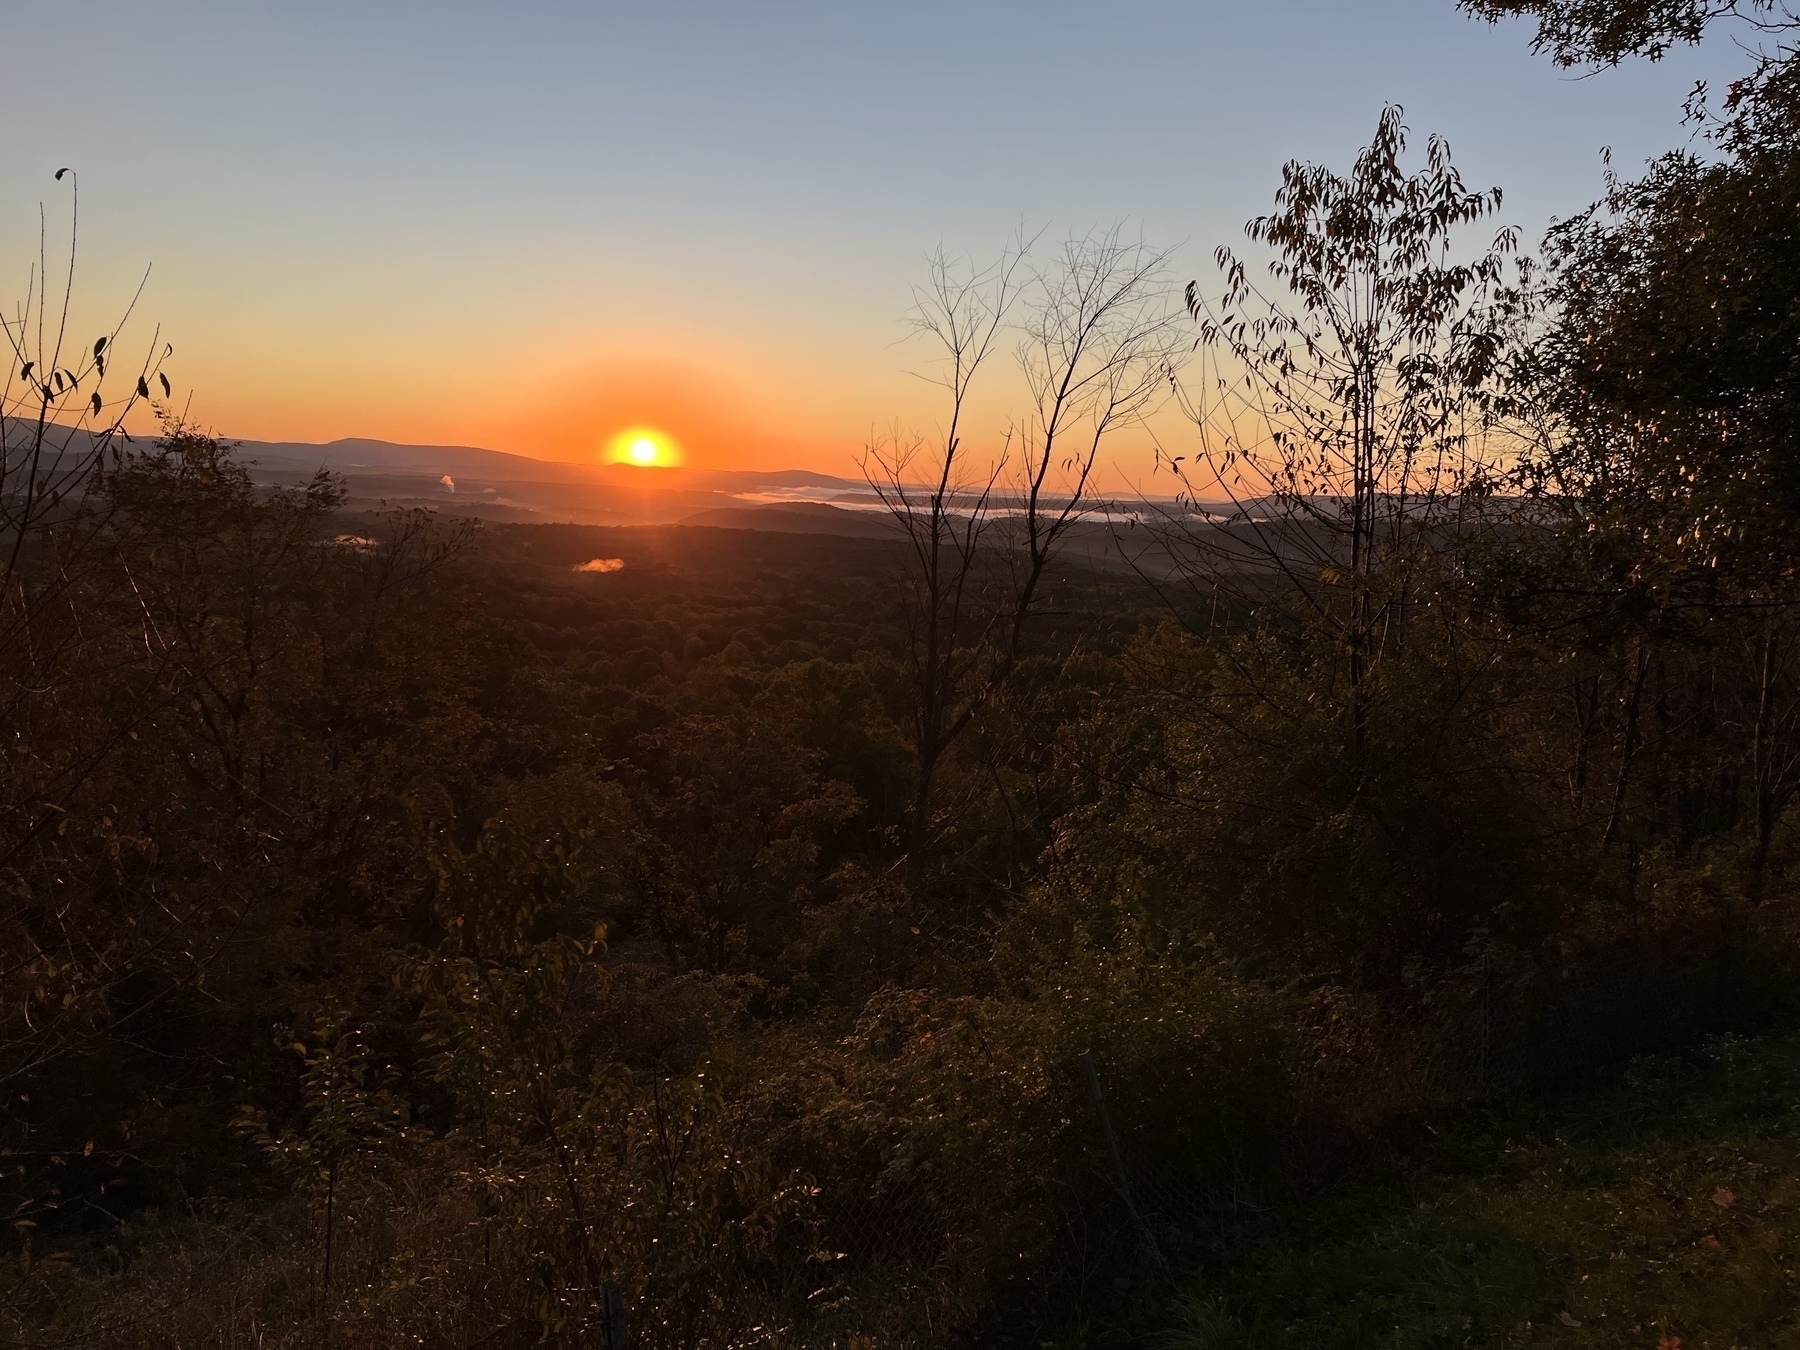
(1655, 1202)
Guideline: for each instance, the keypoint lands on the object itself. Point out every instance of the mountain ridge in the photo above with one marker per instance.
(362, 452)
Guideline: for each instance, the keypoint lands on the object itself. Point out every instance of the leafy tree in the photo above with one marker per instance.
(581, 1170)
(735, 818)
(1606, 32)
(353, 1116)
(1664, 388)
(1344, 416)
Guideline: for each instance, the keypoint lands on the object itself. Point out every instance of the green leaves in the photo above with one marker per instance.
(1365, 382)
(1606, 32)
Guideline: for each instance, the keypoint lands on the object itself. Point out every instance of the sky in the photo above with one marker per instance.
(531, 225)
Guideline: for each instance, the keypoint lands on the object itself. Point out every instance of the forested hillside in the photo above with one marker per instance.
(1344, 906)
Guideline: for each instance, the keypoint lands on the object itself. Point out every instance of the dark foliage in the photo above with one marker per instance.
(414, 930)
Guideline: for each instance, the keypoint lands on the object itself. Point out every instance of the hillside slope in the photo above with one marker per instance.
(1657, 1205)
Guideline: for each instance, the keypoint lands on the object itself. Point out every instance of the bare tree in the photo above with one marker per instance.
(1094, 335)
(58, 419)
(63, 409)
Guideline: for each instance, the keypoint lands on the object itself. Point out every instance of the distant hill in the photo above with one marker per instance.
(796, 518)
(433, 460)
(388, 457)
(498, 486)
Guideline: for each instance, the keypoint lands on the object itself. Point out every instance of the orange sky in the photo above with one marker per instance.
(788, 402)
(721, 419)
(436, 223)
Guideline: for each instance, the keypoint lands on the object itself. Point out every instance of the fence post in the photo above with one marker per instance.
(1092, 1072)
(612, 1300)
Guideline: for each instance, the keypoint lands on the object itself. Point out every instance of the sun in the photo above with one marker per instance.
(644, 447)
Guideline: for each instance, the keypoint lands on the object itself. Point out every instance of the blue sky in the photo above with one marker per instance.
(492, 223)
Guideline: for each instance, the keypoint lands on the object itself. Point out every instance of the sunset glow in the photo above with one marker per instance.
(565, 179)
(844, 667)
(645, 448)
